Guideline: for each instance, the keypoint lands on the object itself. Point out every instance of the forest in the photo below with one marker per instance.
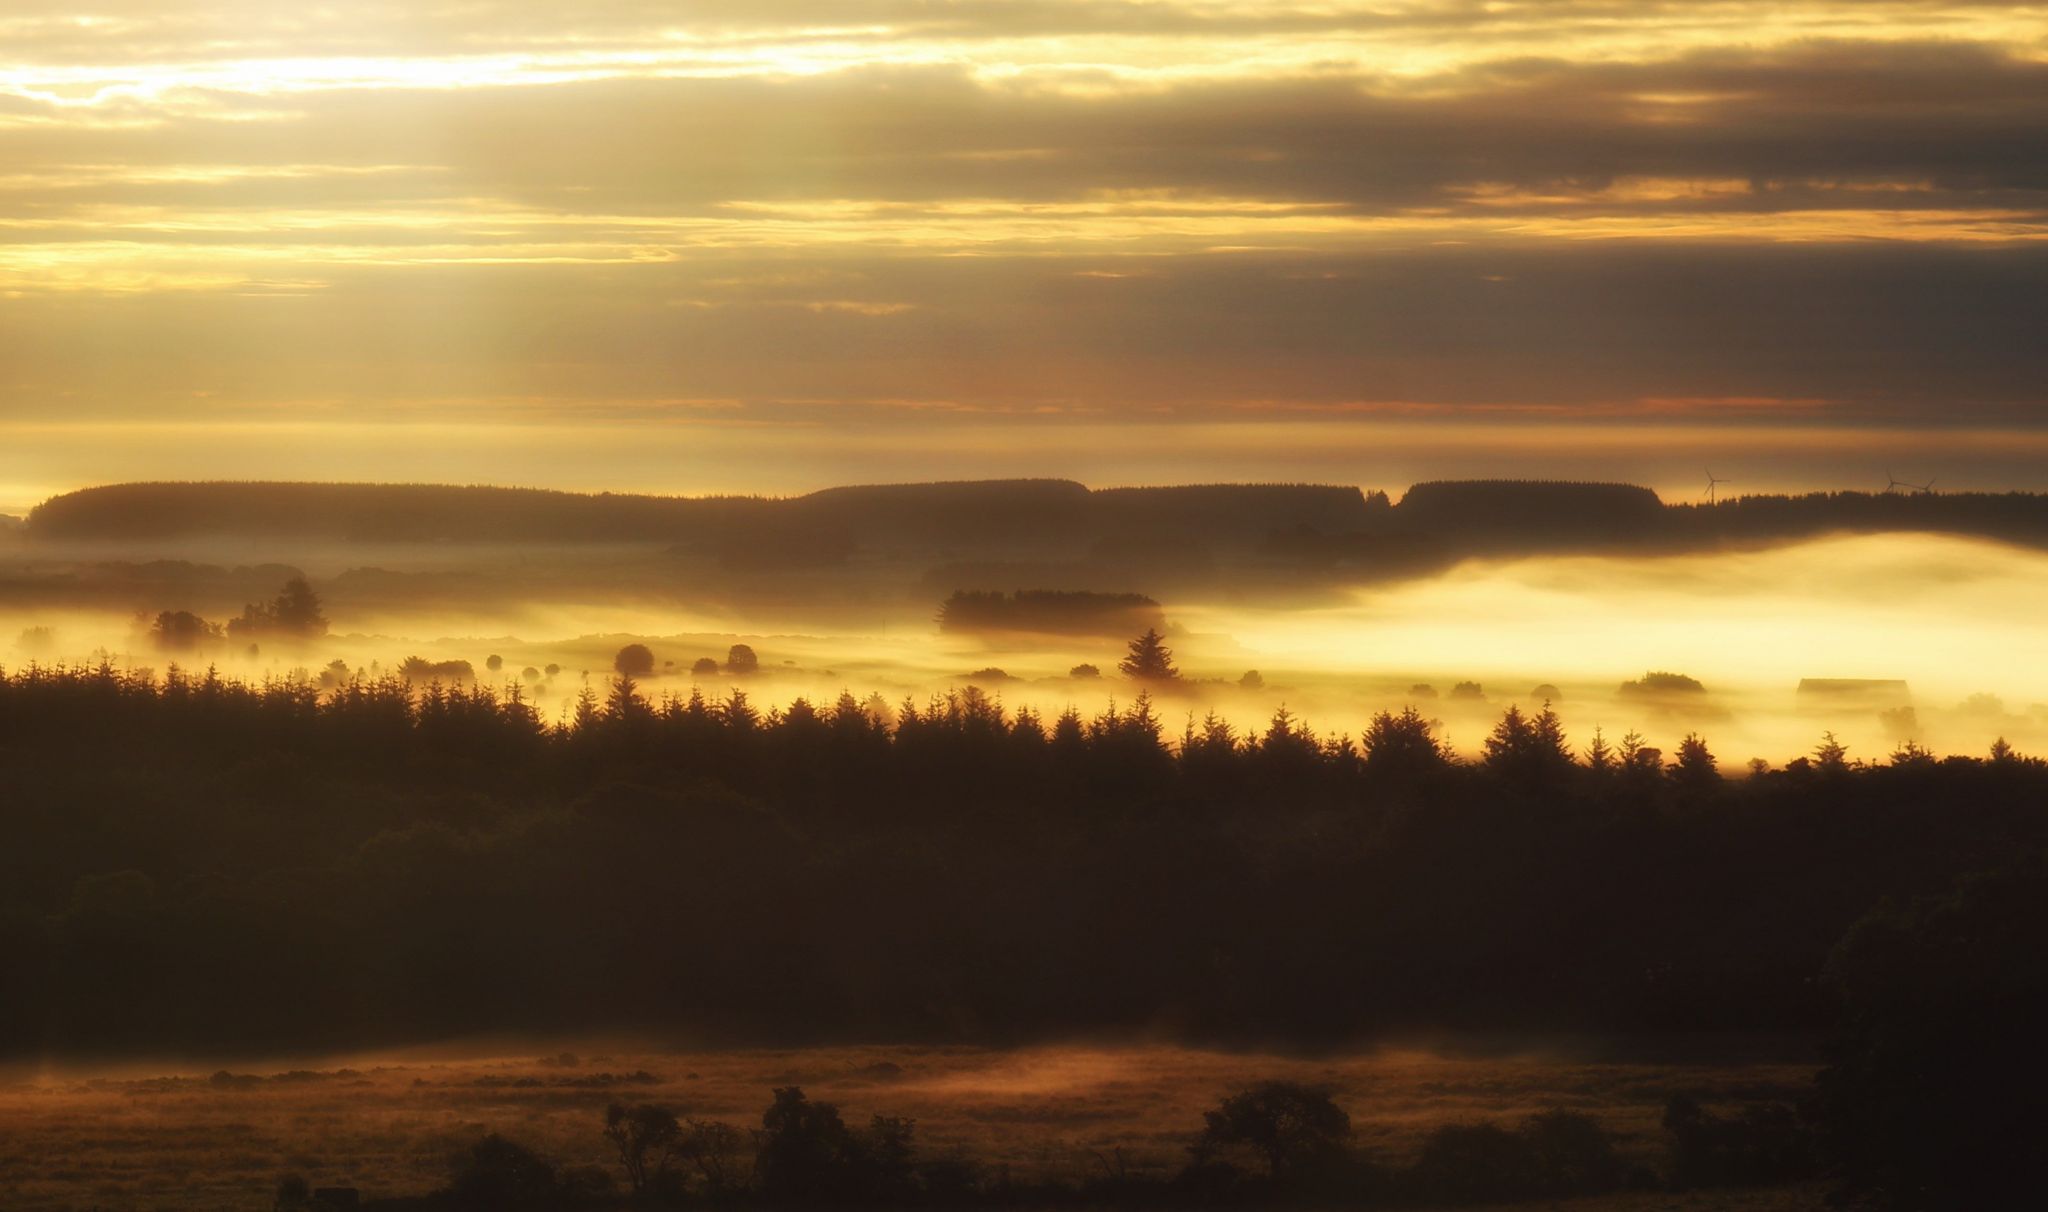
(205, 866)
(399, 862)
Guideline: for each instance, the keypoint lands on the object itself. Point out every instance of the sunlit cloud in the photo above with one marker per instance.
(1577, 210)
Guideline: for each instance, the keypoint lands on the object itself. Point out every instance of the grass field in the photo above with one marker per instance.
(390, 1124)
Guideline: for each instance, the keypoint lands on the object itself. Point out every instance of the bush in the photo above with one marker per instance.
(496, 1173)
(1291, 1127)
(1573, 1154)
(1474, 1163)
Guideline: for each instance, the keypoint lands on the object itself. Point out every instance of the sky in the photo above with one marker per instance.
(772, 245)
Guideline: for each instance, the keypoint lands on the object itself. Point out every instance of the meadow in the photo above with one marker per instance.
(390, 1123)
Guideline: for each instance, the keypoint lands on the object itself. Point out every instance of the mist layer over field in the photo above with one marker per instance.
(389, 1123)
(1952, 618)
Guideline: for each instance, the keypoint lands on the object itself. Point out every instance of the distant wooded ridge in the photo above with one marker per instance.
(1287, 518)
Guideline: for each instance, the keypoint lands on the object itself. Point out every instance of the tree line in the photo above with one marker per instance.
(1274, 1142)
(1431, 523)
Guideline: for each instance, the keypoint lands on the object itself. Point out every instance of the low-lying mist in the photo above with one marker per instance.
(1953, 619)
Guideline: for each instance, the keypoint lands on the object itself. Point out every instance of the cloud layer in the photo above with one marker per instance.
(905, 212)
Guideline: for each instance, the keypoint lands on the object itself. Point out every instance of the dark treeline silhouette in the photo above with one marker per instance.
(1273, 1143)
(990, 511)
(1529, 510)
(2020, 517)
(1303, 524)
(201, 864)
(377, 513)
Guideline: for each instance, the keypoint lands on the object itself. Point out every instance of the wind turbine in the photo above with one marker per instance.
(1894, 483)
(1713, 483)
(1925, 490)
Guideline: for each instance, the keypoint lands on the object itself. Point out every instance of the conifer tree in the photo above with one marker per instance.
(1150, 660)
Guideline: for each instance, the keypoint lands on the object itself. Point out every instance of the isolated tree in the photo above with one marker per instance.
(648, 1139)
(296, 609)
(634, 660)
(741, 659)
(1084, 671)
(1150, 660)
(1288, 1124)
(704, 667)
(494, 662)
(1252, 680)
